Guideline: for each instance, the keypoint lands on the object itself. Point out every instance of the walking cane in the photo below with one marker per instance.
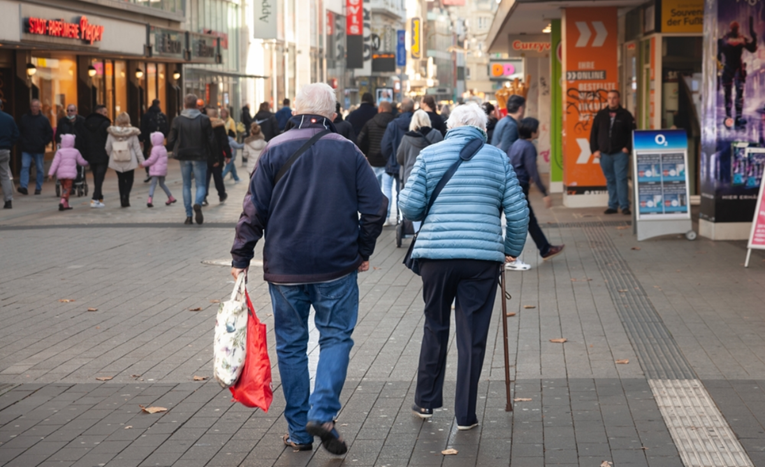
(504, 298)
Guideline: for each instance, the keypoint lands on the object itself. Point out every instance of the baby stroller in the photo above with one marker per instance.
(80, 185)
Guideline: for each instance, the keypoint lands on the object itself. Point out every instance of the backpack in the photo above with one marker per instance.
(121, 151)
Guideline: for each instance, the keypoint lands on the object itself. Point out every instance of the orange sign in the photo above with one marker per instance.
(589, 71)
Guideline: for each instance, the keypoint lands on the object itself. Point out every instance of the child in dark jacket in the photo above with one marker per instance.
(523, 157)
(64, 167)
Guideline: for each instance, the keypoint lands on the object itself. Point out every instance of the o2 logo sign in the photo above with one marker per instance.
(505, 69)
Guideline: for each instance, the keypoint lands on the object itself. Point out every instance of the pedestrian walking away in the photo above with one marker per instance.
(125, 154)
(246, 119)
(267, 121)
(152, 121)
(191, 139)
(428, 104)
(491, 123)
(35, 133)
(364, 113)
(73, 124)
(9, 134)
(220, 156)
(253, 147)
(611, 142)
(231, 164)
(344, 128)
(460, 250)
(319, 194)
(370, 138)
(93, 149)
(506, 130)
(394, 133)
(157, 165)
(64, 167)
(523, 158)
(283, 115)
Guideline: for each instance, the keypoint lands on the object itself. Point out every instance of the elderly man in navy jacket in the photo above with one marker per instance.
(318, 200)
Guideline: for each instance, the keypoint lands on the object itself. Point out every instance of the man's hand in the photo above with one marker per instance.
(216, 164)
(228, 160)
(236, 271)
(510, 259)
(596, 154)
(548, 201)
(364, 267)
(625, 150)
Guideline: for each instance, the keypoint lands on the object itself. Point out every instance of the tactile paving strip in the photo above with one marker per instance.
(701, 434)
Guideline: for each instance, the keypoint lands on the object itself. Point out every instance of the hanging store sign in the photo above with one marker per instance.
(401, 48)
(266, 19)
(529, 45)
(354, 31)
(384, 62)
(682, 16)
(505, 70)
(81, 29)
(203, 48)
(415, 31)
(220, 35)
(167, 42)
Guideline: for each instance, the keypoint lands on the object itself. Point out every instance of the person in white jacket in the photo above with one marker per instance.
(253, 146)
(125, 154)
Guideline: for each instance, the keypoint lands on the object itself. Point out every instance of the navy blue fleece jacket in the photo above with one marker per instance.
(310, 218)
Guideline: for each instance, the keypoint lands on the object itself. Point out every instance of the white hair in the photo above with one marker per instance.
(316, 98)
(419, 120)
(467, 115)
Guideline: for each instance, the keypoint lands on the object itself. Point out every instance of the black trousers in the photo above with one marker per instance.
(217, 175)
(125, 183)
(534, 229)
(474, 284)
(99, 172)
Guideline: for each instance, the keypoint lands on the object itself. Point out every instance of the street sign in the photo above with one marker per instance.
(401, 48)
(757, 235)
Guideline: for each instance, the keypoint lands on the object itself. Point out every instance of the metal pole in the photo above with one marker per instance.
(509, 405)
(748, 254)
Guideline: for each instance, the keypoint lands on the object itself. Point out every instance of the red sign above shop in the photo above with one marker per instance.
(355, 18)
(539, 47)
(59, 28)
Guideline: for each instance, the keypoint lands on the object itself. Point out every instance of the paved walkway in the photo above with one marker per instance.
(686, 316)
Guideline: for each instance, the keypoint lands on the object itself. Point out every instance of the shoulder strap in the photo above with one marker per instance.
(297, 154)
(467, 153)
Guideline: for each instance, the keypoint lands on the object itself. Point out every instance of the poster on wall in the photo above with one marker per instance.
(733, 117)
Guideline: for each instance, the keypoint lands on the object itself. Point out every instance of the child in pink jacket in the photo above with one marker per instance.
(157, 164)
(64, 167)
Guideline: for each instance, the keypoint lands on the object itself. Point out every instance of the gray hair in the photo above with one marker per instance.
(467, 115)
(407, 105)
(316, 98)
(190, 101)
(419, 120)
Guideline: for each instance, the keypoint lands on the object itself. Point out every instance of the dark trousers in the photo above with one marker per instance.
(534, 229)
(217, 175)
(474, 284)
(99, 172)
(125, 183)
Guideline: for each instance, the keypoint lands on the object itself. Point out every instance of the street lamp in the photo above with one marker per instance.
(91, 71)
(138, 73)
(176, 75)
(31, 70)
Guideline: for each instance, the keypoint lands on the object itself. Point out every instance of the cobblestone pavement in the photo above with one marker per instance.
(676, 310)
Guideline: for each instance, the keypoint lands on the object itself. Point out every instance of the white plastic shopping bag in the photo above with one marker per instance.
(231, 336)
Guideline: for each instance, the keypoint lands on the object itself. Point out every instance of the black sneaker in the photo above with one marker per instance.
(147, 179)
(189, 221)
(610, 211)
(330, 438)
(296, 446)
(223, 197)
(422, 412)
(22, 190)
(626, 212)
(198, 214)
(8, 205)
(37, 192)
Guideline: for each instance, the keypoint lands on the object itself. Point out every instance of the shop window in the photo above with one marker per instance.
(162, 87)
(55, 85)
(120, 87)
(151, 85)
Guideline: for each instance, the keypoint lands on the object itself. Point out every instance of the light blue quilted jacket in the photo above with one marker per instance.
(464, 222)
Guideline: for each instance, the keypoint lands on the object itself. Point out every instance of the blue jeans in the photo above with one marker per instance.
(26, 163)
(200, 179)
(337, 306)
(379, 173)
(230, 167)
(387, 188)
(616, 167)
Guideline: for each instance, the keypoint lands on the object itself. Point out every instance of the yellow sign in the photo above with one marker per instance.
(415, 48)
(682, 16)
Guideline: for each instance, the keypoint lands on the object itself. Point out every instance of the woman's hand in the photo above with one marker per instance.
(548, 201)
(510, 259)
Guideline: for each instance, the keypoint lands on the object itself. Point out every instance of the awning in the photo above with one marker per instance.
(209, 72)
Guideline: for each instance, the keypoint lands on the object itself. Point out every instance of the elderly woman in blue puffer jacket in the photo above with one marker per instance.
(460, 249)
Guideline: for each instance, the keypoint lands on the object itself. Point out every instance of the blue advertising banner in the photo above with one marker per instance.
(661, 191)
(401, 48)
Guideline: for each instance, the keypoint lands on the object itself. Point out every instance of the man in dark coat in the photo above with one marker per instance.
(246, 119)
(267, 121)
(283, 115)
(9, 134)
(366, 111)
(221, 155)
(153, 120)
(371, 136)
(71, 124)
(491, 122)
(35, 133)
(394, 133)
(343, 126)
(428, 104)
(93, 149)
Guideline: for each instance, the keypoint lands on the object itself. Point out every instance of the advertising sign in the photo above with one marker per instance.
(682, 16)
(733, 111)
(167, 43)
(415, 32)
(589, 72)
(529, 45)
(266, 19)
(757, 236)
(401, 48)
(354, 31)
(204, 48)
(383, 62)
(556, 107)
(660, 163)
(506, 70)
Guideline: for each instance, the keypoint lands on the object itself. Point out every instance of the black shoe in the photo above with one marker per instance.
(330, 438)
(422, 412)
(296, 446)
(626, 212)
(188, 221)
(555, 250)
(37, 192)
(223, 197)
(610, 211)
(205, 203)
(198, 214)
(8, 205)
(22, 190)
(147, 179)
(61, 206)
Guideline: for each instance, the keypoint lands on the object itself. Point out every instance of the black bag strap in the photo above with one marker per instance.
(467, 153)
(298, 153)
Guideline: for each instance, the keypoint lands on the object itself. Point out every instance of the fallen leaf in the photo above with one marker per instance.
(592, 345)
(195, 309)
(522, 399)
(375, 268)
(558, 341)
(343, 424)
(635, 248)
(152, 409)
(449, 452)
(623, 361)
(606, 464)
(129, 427)
(510, 314)
(104, 378)
(588, 280)
(135, 376)
(622, 227)
(573, 280)
(622, 290)
(644, 448)
(214, 301)
(529, 307)
(65, 300)
(201, 378)
(92, 309)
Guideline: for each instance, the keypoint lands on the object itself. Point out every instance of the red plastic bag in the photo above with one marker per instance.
(253, 388)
